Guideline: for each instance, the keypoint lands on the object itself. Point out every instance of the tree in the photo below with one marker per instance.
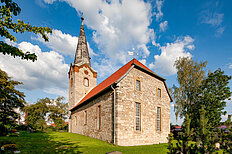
(212, 92)
(36, 114)
(10, 99)
(47, 109)
(189, 77)
(58, 112)
(8, 9)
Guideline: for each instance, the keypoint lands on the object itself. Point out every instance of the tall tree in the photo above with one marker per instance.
(212, 92)
(10, 99)
(189, 77)
(8, 9)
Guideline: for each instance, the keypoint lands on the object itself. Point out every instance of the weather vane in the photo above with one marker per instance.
(82, 16)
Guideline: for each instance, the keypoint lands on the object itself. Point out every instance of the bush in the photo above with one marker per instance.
(3, 131)
(9, 147)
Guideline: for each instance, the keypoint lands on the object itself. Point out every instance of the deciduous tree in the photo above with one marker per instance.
(10, 99)
(8, 10)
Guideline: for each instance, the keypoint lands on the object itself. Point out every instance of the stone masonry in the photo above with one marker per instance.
(90, 128)
(125, 110)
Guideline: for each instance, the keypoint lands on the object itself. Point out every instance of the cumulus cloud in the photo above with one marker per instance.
(170, 52)
(118, 25)
(213, 17)
(48, 71)
(62, 43)
(163, 26)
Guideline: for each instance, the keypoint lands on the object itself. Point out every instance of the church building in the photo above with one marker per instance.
(130, 107)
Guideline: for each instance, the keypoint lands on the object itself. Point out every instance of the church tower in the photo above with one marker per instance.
(82, 77)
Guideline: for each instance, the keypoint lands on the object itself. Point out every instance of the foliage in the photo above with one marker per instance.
(189, 77)
(226, 136)
(45, 109)
(8, 10)
(58, 113)
(10, 99)
(36, 114)
(212, 92)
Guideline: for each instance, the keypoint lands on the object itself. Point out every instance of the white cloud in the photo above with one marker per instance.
(48, 71)
(230, 66)
(163, 26)
(164, 63)
(151, 65)
(62, 43)
(159, 13)
(105, 68)
(143, 61)
(57, 91)
(213, 18)
(118, 25)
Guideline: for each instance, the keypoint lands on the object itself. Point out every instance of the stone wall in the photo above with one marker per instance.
(125, 110)
(91, 127)
(78, 90)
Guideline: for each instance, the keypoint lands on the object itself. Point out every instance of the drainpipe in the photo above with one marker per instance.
(114, 112)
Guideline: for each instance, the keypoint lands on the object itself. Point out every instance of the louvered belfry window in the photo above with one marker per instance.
(137, 116)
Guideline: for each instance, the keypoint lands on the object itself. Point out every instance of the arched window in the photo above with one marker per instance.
(86, 82)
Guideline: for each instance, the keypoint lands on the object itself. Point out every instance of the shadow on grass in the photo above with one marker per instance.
(42, 143)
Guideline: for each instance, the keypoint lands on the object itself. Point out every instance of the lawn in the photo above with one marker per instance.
(63, 142)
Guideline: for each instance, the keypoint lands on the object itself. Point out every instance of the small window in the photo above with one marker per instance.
(159, 92)
(138, 85)
(137, 116)
(86, 82)
(71, 82)
(75, 120)
(158, 119)
(85, 118)
(99, 117)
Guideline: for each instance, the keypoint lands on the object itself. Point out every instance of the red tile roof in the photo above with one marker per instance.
(113, 78)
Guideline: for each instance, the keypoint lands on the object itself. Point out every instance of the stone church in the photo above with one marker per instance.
(130, 107)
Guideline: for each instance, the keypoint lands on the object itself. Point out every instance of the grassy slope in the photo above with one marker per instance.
(54, 142)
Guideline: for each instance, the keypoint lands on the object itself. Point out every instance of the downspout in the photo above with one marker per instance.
(114, 113)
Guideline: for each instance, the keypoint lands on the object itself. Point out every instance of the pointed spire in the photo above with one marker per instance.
(82, 53)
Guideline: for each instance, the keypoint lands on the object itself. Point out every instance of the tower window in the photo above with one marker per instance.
(71, 82)
(86, 82)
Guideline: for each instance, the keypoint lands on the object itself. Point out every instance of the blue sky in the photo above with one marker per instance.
(158, 31)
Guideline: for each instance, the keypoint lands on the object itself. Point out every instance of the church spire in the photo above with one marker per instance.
(82, 53)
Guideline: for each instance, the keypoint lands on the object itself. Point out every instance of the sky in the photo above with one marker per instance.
(157, 31)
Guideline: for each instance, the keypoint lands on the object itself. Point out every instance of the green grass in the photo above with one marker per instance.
(63, 142)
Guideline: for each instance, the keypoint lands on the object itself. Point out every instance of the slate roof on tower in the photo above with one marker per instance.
(116, 77)
(82, 53)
